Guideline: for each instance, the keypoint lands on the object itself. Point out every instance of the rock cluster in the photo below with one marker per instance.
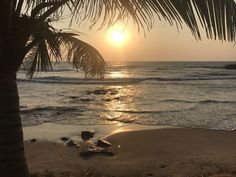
(88, 148)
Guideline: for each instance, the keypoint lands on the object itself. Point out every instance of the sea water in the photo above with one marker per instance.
(182, 94)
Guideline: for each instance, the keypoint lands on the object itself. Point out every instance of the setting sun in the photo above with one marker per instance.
(117, 36)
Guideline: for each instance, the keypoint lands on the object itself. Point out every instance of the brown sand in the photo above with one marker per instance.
(161, 153)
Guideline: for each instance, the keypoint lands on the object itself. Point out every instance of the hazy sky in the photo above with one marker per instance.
(162, 43)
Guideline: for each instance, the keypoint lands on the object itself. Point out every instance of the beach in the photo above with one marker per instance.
(136, 108)
(177, 152)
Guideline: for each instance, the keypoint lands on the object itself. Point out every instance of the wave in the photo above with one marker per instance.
(142, 112)
(24, 109)
(199, 102)
(217, 101)
(67, 80)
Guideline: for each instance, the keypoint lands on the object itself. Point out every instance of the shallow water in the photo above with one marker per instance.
(189, 94)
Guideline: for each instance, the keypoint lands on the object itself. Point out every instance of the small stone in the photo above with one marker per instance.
(33, 140)
(87, 135)
(71, 144)
(64, 139)
(103, 144)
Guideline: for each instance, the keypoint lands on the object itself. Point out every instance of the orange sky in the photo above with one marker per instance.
(162, 43)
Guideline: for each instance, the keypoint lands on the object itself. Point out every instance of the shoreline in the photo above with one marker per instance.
(52, 132)
(140, 153)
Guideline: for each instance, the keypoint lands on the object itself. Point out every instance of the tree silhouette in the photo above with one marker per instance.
(27, 37)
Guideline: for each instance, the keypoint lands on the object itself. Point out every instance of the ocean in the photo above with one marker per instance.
(180, 94)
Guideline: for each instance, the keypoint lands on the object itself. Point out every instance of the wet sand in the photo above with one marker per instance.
(165, 152)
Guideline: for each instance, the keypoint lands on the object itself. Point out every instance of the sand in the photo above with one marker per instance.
(165, 152)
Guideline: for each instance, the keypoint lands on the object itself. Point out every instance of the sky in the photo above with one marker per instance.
(162, 43)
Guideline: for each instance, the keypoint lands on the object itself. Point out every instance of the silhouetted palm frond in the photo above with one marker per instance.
(47, 45)
(82, 55)
(217, 17)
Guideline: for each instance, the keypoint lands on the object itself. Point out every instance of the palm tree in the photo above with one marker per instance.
(27, 37)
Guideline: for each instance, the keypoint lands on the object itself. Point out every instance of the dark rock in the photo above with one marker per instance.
(71, 144)
(64, 139)
(87, 135)
(231, 66)
(33, 140)
(103, 144)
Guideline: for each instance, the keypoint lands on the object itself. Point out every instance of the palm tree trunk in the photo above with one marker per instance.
(12, 156)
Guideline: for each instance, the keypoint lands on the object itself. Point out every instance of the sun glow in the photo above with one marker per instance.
(117, 36)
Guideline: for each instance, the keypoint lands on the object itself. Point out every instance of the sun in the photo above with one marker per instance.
(117, 36)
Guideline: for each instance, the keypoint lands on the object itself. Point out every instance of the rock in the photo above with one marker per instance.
(71, 144)
(231, 66)
(33, 140)
(93, 149)
(87, 135)
(64, 139)
(103, 144)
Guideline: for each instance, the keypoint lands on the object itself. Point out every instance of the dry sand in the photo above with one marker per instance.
(177, 152)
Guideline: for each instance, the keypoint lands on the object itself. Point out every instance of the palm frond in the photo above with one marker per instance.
(217, 17)
(82, 55)
(48, 45)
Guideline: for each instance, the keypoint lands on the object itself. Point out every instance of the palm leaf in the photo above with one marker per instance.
(47, 45)
(217, 17)
(82, 55)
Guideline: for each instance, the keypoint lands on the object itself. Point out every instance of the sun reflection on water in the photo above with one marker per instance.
(118, 104)
(118, 74)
